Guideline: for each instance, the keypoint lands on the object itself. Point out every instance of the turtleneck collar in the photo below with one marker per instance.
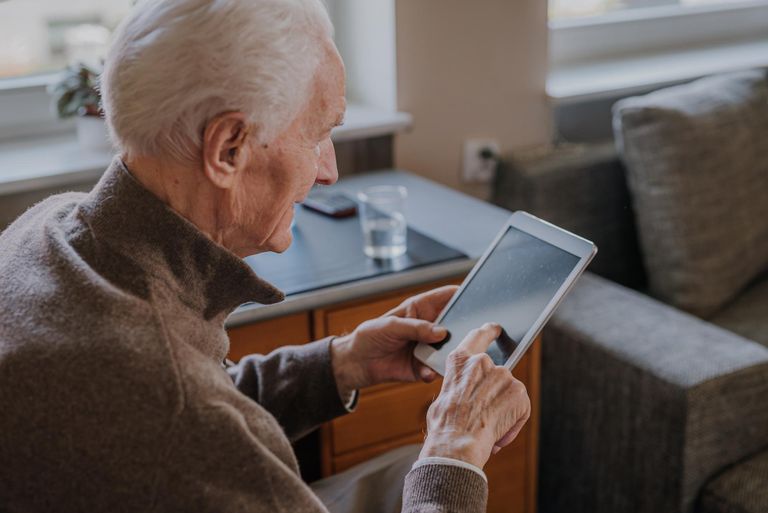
(155, 240)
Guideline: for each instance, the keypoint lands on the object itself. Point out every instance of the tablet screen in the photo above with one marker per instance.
(516, 282)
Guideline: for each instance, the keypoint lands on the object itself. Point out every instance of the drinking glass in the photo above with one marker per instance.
(382, 218)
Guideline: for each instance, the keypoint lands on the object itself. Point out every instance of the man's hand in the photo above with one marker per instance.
(381, 350)
(481, 407)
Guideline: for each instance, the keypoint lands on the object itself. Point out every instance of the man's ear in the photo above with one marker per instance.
(225, 148)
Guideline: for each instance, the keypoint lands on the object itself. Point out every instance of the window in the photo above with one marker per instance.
(42, 36)
(590, 30)
(569, 9)
(603, 50)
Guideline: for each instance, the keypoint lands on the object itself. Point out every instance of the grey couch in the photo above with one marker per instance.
(655, 374)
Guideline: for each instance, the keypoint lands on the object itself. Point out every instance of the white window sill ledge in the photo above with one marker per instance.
(365, 122)
(588, 81)
(35, 163)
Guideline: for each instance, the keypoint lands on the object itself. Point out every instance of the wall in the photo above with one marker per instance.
(467, 69)
(365, 37)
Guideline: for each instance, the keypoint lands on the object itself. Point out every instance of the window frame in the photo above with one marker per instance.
(654, 30)
(26, 108)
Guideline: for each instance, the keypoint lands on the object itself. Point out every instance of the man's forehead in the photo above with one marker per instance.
(330, 93)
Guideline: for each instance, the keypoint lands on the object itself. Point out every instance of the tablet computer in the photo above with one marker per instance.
(517, 283)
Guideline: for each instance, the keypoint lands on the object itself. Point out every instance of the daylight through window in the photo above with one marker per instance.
(41, 36)
(568, 9)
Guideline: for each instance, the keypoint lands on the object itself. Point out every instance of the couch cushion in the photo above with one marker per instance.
(742, 488)
(697, 163)
(747, 315)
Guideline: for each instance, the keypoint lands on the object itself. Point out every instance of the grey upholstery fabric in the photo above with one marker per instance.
(747, 315)
(583, 189)
(697, 163)
(742, 488)
(642, 404)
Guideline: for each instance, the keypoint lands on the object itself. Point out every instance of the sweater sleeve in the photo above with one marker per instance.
(444, 489)
(438, 460)
(294, 383)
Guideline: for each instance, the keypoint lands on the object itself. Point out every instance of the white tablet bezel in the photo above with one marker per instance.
(549, 233)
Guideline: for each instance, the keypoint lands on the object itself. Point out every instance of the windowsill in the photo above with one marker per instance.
(365, 122)
(614, 78)
(36, 163)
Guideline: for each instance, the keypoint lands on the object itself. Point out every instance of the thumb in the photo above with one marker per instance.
(416, 330)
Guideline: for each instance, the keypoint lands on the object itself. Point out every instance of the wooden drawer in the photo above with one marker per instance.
(388, 414)
(266, 336)
(392, 413)
(344, 318)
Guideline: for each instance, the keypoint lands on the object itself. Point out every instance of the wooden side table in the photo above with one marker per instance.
(392, 415)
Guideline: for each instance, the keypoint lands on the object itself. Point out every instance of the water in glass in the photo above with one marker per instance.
(382, 219)
(385, 237)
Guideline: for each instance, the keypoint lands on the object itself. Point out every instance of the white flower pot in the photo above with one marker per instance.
(92, 133)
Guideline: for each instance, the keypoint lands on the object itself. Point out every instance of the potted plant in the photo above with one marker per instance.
(76, 95)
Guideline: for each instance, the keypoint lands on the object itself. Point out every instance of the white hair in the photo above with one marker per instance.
(175, 64)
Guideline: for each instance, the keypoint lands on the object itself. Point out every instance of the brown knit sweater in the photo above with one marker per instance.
(113, 396)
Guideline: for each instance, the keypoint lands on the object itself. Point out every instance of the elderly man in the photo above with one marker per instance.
(113, 392)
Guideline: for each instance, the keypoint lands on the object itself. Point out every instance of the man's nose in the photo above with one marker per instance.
(327, 173)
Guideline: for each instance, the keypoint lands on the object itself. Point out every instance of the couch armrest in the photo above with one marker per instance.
(641, 403)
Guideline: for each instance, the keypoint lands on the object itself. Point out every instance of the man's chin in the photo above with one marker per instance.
(281, 243)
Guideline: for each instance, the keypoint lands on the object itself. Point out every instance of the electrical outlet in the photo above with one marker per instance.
(477, 169)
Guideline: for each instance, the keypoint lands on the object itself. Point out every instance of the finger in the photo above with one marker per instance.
(426, 305)
(429, 305)
(423, 372)
(480, 339)
(510, 436)
(414, 330)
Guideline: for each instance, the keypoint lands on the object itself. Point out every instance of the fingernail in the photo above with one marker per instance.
(439, 330)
